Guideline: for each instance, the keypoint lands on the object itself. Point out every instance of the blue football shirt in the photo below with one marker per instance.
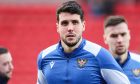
(87, 64)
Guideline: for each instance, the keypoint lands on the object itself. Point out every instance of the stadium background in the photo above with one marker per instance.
(28, 27)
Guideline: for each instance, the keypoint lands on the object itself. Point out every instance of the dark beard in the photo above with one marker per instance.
(120, 53)
(72, 44)
(3, 79)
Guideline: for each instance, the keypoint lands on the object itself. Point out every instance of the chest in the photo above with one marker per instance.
(132, 70)
(80, 69)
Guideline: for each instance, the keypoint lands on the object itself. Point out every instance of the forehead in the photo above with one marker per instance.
(68, 16)
(5, 57)
(120, 28)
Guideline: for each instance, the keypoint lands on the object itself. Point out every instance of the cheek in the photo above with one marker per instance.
(127, 41)
(3, 69)
(61, 31)
(78, 30)
(110, 41)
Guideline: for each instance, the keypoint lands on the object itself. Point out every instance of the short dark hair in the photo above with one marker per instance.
(70, 7)
(113, 20)
(3, 50)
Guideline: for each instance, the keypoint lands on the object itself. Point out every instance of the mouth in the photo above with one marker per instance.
(9, 72)
(120, 46)
(70, 35)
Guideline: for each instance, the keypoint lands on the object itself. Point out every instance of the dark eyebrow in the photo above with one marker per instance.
(75, 21)
(114, 35)
(124, 33)
(64, 22)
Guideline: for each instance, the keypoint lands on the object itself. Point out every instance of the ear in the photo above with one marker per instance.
(129, 34)
(57, 27)
(83, 25)
(105, 41)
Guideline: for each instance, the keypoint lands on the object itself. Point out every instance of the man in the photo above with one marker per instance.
(117, 37)
(75, 60)
(6, 66)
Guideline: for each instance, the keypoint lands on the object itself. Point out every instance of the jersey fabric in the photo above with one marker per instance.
(87, 64)
(132, 68)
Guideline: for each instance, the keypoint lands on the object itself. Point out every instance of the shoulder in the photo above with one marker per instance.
(95, 49)
(135, 56)
(92, 47)
(103, 56)
(48, 50)
(44, 53)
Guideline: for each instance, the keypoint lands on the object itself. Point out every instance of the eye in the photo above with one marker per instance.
(123, 34)
(64, 23)
(75, 22)
(114, 36)
(5, 64)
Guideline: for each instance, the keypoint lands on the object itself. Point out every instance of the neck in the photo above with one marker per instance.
(68, 49)
(122, 57)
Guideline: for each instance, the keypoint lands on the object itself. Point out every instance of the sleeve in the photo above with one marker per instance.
(40, 75)
(110, 69)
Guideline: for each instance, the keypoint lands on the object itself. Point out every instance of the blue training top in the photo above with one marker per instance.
(87, 64)
(132, 68)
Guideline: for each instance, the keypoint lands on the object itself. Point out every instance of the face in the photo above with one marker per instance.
(117, 38)
(70, 28)
(6, 66)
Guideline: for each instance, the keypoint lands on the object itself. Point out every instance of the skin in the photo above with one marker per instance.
(117, 38)
(6, 66)
(70, 28)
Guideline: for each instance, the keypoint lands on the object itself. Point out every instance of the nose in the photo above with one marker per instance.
(11, 67)
(119, 38)
(70, 27)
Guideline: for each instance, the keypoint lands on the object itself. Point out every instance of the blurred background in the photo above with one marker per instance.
(29, 26)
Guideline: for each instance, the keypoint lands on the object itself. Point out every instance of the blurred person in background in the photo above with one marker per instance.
(6, 66)
(117, 37)
(75, 60)
(101, 7)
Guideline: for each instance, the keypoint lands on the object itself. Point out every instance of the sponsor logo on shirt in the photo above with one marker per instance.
(81, 62)
(136, 72)
(51, 64)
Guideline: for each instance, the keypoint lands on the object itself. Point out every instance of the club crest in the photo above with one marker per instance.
(81, 62)
(136, 72)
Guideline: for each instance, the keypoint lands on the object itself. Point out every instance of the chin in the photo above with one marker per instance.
(9, 75)
(72, 42)
(121, 53)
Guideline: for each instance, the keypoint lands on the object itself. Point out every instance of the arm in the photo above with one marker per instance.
(110, 69)
(114, 77)
(40, 76)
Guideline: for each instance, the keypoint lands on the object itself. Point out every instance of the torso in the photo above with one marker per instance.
(132, 68)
